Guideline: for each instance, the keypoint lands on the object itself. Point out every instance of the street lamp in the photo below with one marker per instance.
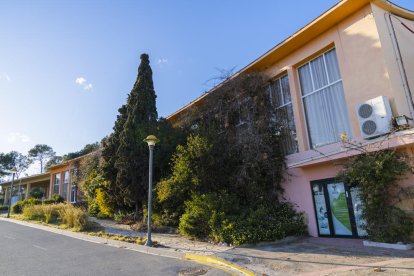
(151, 140)
(13, 171)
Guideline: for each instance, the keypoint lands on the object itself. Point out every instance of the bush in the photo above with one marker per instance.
(222, 219)
(195, 221)
(66, 214)
(58, 198)
(102, 200)
(267, 222)
(4, 208)
(74, 217)
(34, 212)
(376, 175)
(18, 207)
(93, 208)
(37, 193)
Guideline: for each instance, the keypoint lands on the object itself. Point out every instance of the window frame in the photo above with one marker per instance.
(283, 104)
(302, 96)
(57, 184)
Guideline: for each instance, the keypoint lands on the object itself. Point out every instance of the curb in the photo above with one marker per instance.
(206, 260)
(217, 261)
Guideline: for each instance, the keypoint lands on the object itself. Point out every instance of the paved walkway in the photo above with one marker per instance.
(293, 256)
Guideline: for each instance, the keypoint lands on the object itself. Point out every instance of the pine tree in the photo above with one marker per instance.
(131, 162)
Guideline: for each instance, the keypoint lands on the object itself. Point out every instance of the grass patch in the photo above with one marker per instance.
(62, 215)
(136, 240)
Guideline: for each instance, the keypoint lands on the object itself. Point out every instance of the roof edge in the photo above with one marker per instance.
(341, 8)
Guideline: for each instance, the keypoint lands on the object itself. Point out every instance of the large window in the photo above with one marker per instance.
(282, 101)
(65, 185)
(323, 99)
(56, 183)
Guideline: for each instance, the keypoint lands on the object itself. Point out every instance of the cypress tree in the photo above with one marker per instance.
(110, 147)
(131, 162)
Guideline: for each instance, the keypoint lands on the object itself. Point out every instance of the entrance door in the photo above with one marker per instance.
(338, 209)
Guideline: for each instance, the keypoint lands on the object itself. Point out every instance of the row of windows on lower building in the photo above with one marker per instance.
(61, 188)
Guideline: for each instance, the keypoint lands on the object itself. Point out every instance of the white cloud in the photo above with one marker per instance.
(5, 77)
(88, 86)
(17, 137)
(162, 61)
(81, 81)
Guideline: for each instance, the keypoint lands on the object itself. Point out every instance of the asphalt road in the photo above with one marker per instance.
(28, 251)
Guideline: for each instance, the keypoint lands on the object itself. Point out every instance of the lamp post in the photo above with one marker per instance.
(151, 140)
(13, 171)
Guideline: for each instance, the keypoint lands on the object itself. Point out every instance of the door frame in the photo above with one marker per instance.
(324, 182)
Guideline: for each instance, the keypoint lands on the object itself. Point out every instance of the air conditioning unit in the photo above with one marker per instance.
(374, 117)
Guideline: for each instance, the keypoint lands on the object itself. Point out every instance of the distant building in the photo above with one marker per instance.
(59, 179)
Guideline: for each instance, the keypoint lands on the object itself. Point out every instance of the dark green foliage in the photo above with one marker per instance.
(132, 154)
(124, 163)
(228, 176)
(195, 221)
(4, 208)
(268, 221)
(88, 148)
(53, 161)
(221, 218)
(376, 174)
(13, 160)
(37, 193)
(110, 147)
(41, 153)
(189, 176)
(17, 208)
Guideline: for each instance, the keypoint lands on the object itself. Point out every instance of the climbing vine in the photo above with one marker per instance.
(376, 174)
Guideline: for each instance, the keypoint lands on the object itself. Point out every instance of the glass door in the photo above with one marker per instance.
(338, 209)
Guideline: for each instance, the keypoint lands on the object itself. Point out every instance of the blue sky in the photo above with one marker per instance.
(67, 66)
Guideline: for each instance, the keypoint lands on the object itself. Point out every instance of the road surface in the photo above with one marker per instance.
(29, 251)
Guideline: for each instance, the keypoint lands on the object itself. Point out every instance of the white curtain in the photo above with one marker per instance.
(326, 110)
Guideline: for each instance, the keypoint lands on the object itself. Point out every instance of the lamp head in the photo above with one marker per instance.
(13, 170)
(151, 140)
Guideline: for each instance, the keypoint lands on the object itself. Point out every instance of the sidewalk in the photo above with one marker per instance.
(174, 242)
(293, 256)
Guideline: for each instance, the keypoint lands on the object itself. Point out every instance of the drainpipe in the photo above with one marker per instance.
(397, 53)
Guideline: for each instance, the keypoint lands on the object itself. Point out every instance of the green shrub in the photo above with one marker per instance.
(58, 198)
(266, 222)
(93, 208)
(102, 200)
(195, 221)
(18, 207)
(37, 193)
(376, 175)
(222, 219)
(4, 208)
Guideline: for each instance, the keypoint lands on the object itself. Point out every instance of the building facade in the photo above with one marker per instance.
(59, 179)
(355, 60)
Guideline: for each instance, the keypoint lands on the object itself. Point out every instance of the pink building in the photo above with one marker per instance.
(351, 70)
